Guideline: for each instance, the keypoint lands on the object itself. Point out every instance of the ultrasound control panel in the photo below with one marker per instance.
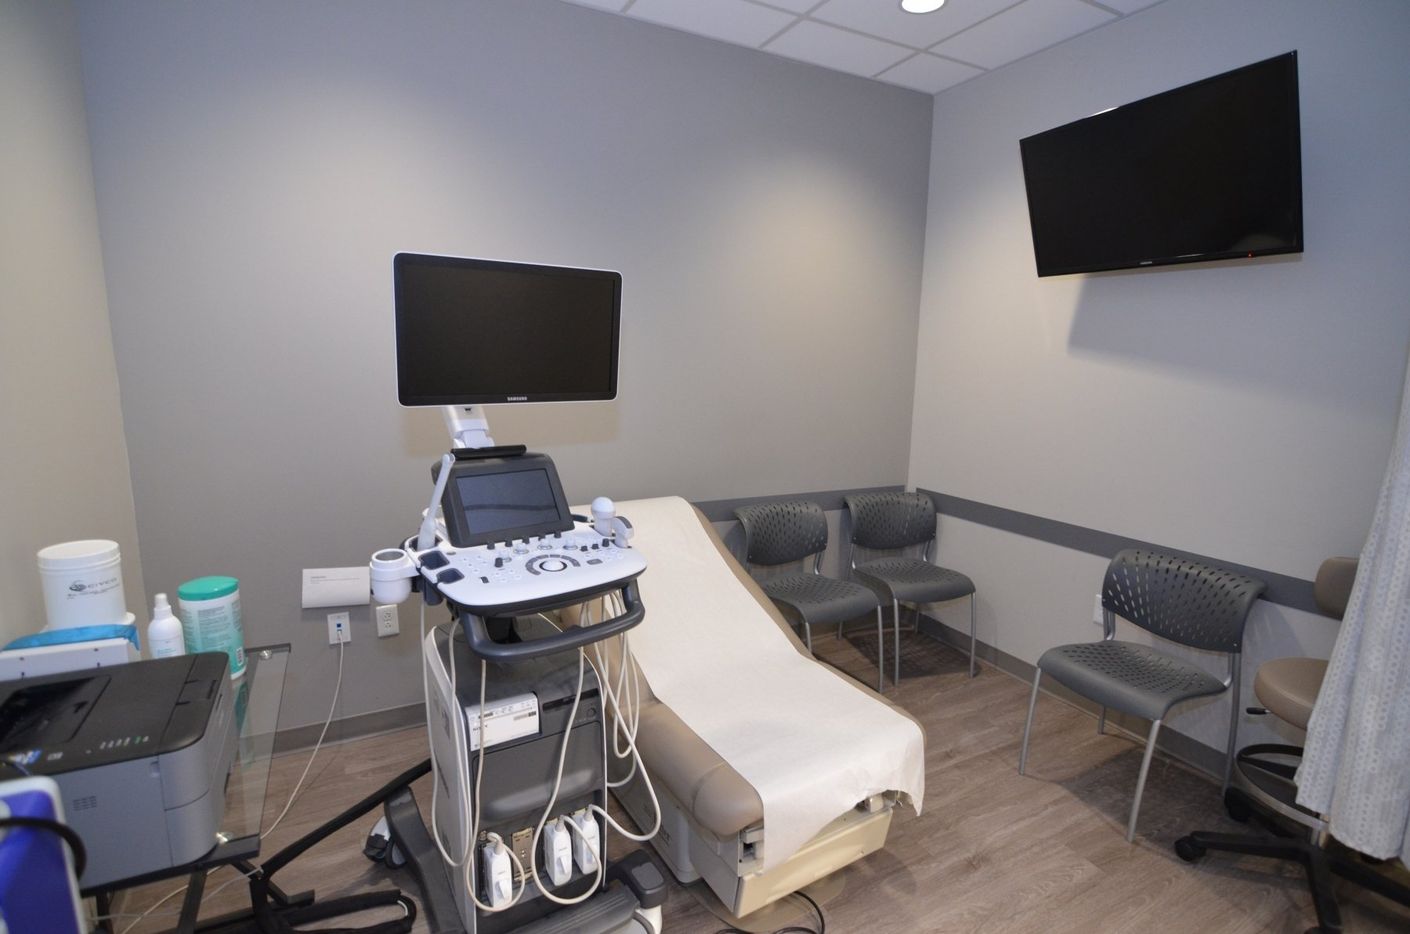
(514, 545)
(501, 578)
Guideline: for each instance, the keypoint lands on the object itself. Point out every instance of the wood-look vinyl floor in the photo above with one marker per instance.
(992, 851)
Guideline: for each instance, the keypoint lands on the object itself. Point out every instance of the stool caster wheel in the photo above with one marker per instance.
(1237, 807)
(1189, 849)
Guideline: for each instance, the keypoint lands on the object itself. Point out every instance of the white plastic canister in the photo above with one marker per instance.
(210, 618)
(82, 584)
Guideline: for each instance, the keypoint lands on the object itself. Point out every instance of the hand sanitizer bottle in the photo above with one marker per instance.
(164, 633)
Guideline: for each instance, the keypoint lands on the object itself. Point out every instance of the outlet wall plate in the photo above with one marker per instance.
(385, 617)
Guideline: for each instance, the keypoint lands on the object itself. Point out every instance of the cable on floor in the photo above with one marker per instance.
(792, 928)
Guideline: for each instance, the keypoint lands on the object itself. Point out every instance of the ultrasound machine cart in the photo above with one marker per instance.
(508, 553)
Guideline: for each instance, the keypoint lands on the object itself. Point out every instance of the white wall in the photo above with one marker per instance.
(258, 163)
(1242, 410)
(64, 469)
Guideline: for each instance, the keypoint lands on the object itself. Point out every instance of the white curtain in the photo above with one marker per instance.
(1357, 764)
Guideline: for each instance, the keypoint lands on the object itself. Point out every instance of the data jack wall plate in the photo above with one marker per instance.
(339, 628)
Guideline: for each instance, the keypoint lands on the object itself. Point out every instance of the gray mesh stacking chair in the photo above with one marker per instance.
(1179, 600)
(790, 532)
(895, 522)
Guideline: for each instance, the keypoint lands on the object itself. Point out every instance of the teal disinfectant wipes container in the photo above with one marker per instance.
(210, 618)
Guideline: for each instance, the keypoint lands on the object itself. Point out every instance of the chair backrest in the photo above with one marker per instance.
(782, 532)
(891, 520)
(1332, 589)
(1179, 599)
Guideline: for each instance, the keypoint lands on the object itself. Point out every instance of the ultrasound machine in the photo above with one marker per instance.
(519, 702)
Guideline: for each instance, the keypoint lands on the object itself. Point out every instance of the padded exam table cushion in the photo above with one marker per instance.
(886, 755)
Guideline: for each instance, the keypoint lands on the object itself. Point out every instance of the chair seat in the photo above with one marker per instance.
(818, 599)
(1288, 687)
(1130, 677)
(914, 581)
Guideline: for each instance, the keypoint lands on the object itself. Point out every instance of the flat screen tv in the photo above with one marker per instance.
(480, 331)
(1211, 170)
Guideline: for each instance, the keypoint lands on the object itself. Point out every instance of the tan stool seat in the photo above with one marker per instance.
(1288, 687)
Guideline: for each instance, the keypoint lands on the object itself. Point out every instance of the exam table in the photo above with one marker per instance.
(772, 770)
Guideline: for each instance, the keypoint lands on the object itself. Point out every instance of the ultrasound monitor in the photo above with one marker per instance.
(478, 331)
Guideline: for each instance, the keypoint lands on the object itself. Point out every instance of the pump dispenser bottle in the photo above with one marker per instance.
(164, 633)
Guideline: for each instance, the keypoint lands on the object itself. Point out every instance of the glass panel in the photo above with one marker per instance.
(257, 701)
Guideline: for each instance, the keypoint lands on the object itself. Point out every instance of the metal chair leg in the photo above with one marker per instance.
(972, 640)
(1028, 724)
(808, 635)
(1234, 710)
(880, 653)
(896, 631)
(1141, 781)
(1101, 722)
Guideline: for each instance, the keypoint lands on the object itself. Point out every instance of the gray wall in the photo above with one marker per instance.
(1242, 410)
(64, 470)
(258, 163)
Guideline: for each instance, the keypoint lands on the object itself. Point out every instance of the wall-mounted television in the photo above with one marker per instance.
(1211, 170)
(477, 331)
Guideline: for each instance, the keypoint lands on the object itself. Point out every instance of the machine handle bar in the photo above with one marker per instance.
(482, 646)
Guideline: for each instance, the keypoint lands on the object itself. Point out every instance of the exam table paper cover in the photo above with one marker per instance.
(810, 742)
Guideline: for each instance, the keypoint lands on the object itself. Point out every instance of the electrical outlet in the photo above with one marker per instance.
(339, 628)
(387, 624)
(1097, 612)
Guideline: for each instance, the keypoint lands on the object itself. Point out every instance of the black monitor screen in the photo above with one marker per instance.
(503, 501)
(496, 499)
(1211, 170)
(473, 331)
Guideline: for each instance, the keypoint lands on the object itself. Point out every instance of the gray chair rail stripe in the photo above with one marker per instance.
(1286, 591)
(722, 510)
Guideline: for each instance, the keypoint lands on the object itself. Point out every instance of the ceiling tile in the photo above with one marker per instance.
(795, 6)
(837, 48)
(614, 6)
(886, 19)
(1129, 6)
(731, 20)
(927, 73)
(1023, 29)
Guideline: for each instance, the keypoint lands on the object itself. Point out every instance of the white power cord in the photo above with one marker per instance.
(451, 861)
(473, 831)
(632, 716)
(553, 799)
(337, 687)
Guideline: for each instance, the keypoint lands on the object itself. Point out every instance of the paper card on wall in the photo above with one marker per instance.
(335, 587)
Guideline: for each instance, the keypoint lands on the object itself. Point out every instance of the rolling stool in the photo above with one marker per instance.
(1264, 774)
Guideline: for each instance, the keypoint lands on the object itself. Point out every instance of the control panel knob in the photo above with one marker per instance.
(521, 547)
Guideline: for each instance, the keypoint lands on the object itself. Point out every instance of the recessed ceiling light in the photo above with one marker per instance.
(921, 6)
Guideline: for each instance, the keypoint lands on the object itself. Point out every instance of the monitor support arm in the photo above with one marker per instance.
(468, 425)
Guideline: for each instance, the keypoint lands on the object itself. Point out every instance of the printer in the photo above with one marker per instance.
(140, 752)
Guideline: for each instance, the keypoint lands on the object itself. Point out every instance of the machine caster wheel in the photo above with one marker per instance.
(381, 848)
(1237, 806)
(1189, 849)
